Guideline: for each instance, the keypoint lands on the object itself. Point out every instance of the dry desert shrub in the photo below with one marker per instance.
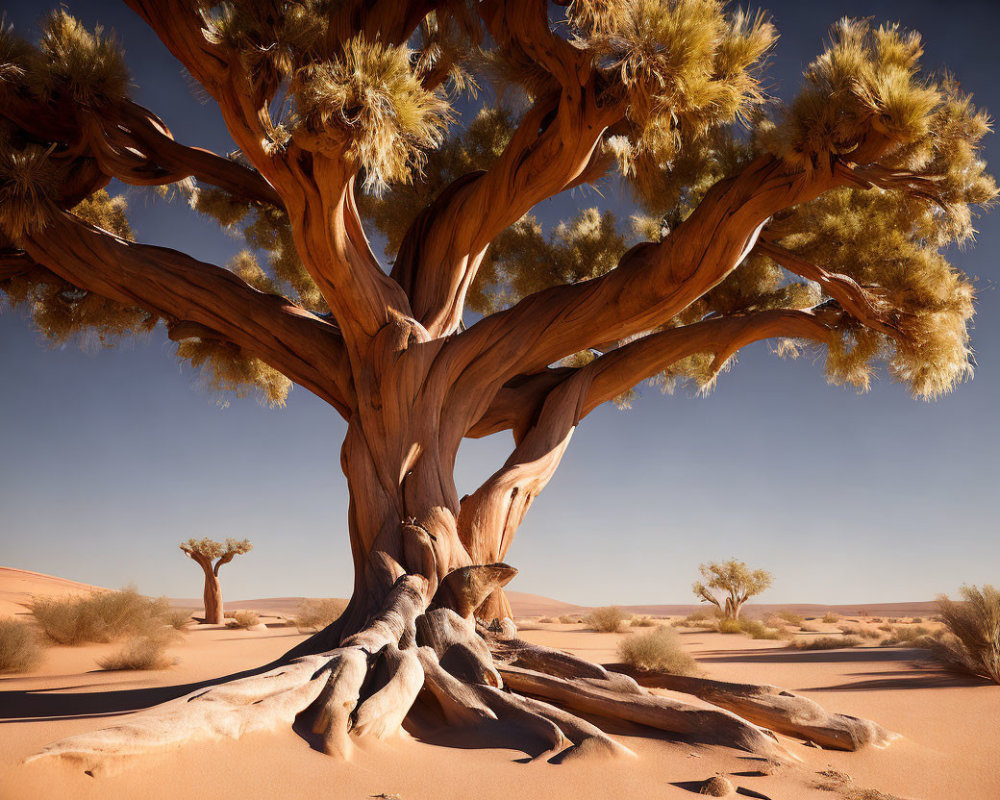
(99, 616)
(609, 619)
(566, 619)
(826, 643)
(974, 625)
(643, 621)
(316, 614)
(753, 628)
(861, 631)
(139, 652)
(178, 619)
(790, 617)
(546, 620)
(657, 649)
(19, 647)
(243, 619)
(831, 618)
(917, 620)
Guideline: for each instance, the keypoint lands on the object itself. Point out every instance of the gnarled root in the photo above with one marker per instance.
(774, 708)
(368, 685)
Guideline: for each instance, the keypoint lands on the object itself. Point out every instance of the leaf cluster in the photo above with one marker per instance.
(211, 549)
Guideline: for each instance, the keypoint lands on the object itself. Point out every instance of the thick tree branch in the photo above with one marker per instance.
(555, 147)
(652, 283)
(179, 288)
(517, 405)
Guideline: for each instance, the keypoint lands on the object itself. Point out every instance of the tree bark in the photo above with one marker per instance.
(214, 614)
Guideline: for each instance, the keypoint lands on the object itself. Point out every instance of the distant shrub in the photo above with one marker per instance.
(894, 620)
(862, 631)
(566, 619)
(546, 620)
(243, 619)
(139, 652)
(656, 649)
(642, 622)
(808, 629)
(877, 619)
(753, 628)
(826, 642)
(974, 625)
(791, 617)
(19, 647)
(316, 614)
(917, 619)
(912, 636)
(610, 619)
(831, 618)
(99, 617)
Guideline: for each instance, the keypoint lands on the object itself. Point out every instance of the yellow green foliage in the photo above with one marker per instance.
(211, 549)
(369, 96)
(227, 368)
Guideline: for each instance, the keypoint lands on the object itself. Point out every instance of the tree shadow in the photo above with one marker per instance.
(22, 705)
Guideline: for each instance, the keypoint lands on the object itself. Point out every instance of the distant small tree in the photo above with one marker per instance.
(729, 585)
(204, 551)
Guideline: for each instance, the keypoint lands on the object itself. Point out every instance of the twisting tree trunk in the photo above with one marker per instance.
(214, 614)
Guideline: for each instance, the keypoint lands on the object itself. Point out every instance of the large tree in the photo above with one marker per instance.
(820, 223)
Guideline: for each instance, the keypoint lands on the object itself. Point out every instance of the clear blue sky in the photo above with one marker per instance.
(109, 459)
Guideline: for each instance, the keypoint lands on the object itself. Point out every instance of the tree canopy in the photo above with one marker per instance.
(729, 584)
(673, 92)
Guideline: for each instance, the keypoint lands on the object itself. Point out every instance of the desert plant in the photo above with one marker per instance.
(546, 620)
(318, 613)
(243, 619)
(728, 585)
(642, 622)
(917, 620)
(610, 619)
(831, 617)
(99, 616)
(178, 619)
(974, 625)
(825, 642)
(656, 649)
(139, 653)
(861, 631)
(566, 619)
(727, 625)
(790, 617)
(211, 555)
(20, 650)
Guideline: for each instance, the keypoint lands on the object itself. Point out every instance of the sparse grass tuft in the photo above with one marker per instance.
(657, 649)
(99, 616)
(831, 618)
(753, 628)
(546, 620)
(317, 614)
(825, 643)
(862, 631)
(19, 647)
(139, 652)
(974, 625)
(243, 619)
(610, 619)
(566, 619)
(643, 622)
(730, 626)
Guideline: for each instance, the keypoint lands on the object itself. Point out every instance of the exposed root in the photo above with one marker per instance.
(367, 686)
(705, 725)
(774, 708)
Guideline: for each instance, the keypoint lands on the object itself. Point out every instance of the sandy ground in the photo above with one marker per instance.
(950, 748)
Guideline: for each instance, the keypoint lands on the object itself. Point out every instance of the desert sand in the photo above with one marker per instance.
(950, 727)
